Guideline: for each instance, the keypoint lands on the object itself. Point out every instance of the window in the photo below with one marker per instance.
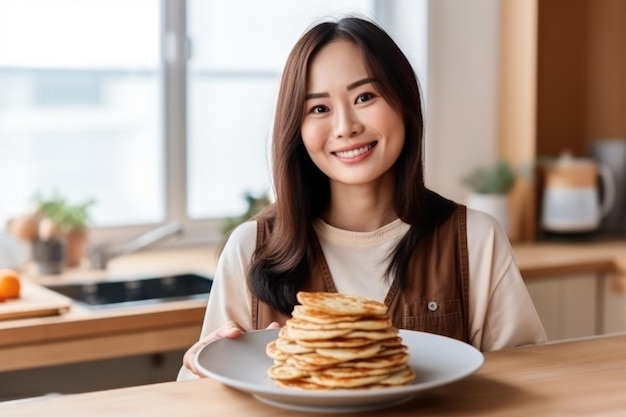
(239, 48)
(80, 106)
(159, 110)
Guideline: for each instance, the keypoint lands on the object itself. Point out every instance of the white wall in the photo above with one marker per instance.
(462, 89)
(408, 26)
(453, 46)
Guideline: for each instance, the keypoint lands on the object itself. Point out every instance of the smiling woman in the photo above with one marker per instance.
(352, 213)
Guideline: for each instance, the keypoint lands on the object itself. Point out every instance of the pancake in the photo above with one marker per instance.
(285, 372)
(349, 354)
(350, 372)
(374, 323)
(319, 316)
(342, 304)
(385, 361)
(387, 333)
(293, 333)
(335, 382)
(274, 352)
(338, 341)
(291, 347)
(303, 384)
(401, 377)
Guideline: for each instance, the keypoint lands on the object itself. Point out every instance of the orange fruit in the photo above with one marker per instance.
(9, 284)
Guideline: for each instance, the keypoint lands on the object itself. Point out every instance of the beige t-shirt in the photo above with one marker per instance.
(501, 312)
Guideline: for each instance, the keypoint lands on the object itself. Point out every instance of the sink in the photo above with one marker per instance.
(136, 291)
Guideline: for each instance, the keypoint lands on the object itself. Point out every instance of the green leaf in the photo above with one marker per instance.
(498, 179)
(67, 217)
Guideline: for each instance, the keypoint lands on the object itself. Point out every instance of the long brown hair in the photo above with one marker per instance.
(281, 265)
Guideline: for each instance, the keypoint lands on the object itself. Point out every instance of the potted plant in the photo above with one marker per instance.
(61, 220)
(254, 205)
(490, 191)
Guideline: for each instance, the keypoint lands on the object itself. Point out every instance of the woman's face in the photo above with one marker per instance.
(350, 131)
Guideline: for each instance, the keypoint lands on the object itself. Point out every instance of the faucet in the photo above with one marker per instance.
(101, 254)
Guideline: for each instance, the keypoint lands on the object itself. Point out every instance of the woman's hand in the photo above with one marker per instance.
(230, 329)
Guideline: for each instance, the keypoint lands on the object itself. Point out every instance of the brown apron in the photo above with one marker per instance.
(435, 299)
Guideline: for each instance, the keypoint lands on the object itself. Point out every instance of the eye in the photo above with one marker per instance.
(320, 108)
(364, 97)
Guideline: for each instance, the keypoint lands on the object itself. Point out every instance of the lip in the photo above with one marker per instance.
(355, 158)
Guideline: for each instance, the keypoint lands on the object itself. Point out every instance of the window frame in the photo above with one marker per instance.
(176, 48)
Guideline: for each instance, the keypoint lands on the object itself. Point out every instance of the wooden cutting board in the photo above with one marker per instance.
(34, 301)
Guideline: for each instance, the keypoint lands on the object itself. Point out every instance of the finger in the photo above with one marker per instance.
(232, 330)
(188, 358)
(229, 329)
(274, 325)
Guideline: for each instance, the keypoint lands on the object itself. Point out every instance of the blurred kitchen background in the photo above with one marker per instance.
(160, 111)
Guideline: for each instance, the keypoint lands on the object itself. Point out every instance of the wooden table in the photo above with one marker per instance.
(581, 377)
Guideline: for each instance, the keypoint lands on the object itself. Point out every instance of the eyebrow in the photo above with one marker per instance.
(350, 86)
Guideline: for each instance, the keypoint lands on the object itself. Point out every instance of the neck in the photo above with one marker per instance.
(362, 208)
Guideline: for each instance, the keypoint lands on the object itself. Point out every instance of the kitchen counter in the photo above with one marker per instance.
(82, 335)
(580, 377)
(543, 259)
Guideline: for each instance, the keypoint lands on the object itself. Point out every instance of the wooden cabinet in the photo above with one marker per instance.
(614, 303)
(562, 84)
(581, 74)
(580, 305)
(518, 80)
(567, 306)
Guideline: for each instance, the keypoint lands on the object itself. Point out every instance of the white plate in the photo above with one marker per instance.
(242, 363)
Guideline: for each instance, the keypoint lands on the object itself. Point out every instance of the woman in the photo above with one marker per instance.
(352, 213)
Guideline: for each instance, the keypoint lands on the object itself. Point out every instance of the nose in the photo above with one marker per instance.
(347, 124)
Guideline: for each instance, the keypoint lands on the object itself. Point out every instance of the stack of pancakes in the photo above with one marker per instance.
(338, 341)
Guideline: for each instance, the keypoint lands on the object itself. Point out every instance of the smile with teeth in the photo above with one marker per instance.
(353, 153)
